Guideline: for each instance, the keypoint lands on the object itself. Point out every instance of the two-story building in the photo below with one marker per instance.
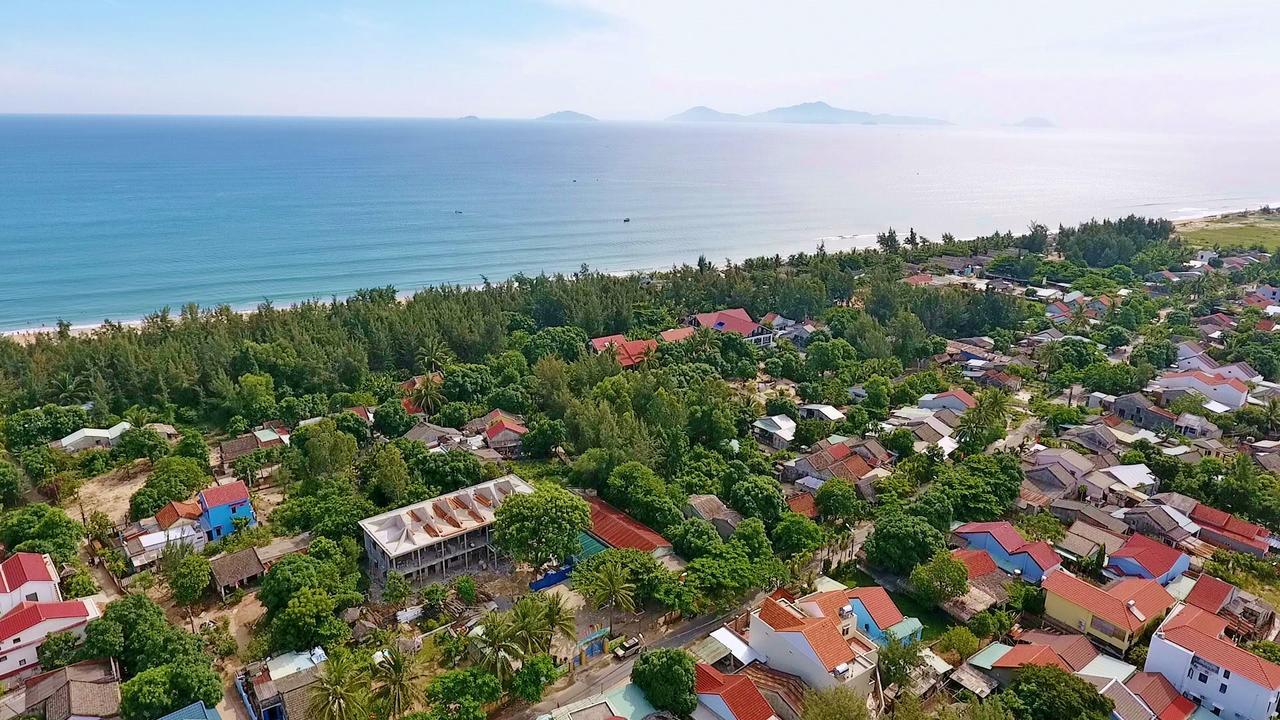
(1030, 561)
(27, 577)
(1226, 390)
(956, 400)
(24, 628)
(1189, 649)
(734, 320)
(1116, 615)
(435, 536)
(221, 506)
(813, 649)
(728, 697)
(869, 610)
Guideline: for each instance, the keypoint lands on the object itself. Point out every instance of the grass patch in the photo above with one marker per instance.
(935, 621)
(1234, 231)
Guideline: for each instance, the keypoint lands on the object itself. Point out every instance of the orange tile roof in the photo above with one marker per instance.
(1208, 379)
(1013, 543)
(879, 604)
(1031, 654)
(738, 693)
(961, 395)
(978, 562)
(1111, 604)
(731, 320)
(1210, 593)
(175, 511)
(803, 504)
(1227, 655)
(676, 334)
(822, 634)
(1075, 650)
(1203, 620)
(619, 530)
(1161, 696)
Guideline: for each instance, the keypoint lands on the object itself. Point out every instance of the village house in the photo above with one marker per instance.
(23, 630)
(956, 400)
(1142, 557)
(869, 610)
(1082, 540)
(88, 690)
(776, 431)
(988, 585)
(1028, 561)
(1230, 392)
(1121, 484)
(1196, 427)
(784, 637)
(279, 688)
(713, 510)
(87, 438)
(1160, 696)
(223, 507)
(629, 353)
(616, 529)
(1115, 615)
(728, 697)
(1248, 617)
(1072, 511)
(820, 412)
(734, 320)
(1139, 410)
(27, 577)
(1190, 650)
(1162, 522)
(436, 536)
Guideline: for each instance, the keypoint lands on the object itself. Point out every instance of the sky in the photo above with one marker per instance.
(1174, 65)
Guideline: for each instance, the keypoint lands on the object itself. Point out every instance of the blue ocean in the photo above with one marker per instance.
(116, 217)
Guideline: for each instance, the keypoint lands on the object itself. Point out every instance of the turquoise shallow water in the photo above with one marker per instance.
(115, 217)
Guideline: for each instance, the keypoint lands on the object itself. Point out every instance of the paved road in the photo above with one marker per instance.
(608, 673)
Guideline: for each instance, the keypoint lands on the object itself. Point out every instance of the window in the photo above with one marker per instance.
(32, 597)
(1226, 674)
(22, 661)
(1203, 678)
(1222, 688)
(17, 640)
(1190, 672)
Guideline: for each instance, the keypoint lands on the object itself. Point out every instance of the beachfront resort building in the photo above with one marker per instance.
(436, 536)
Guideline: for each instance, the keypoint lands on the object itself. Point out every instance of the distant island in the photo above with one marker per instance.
(567, 116)
(1034, 122)
(812, 113)
(469, 117)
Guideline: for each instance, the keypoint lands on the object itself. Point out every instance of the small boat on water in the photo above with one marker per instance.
(626, 219)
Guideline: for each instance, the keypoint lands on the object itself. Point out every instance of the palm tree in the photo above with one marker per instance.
(612, 588)
(69, 390)
(1079, 317)
(398, 677)
(971, 428)
(529, 628)
(434, 354)
(993, 407)
(340, 692)
(561, 618)
(1272, 415)
(427, 395)
(138, 416)
(496, 646)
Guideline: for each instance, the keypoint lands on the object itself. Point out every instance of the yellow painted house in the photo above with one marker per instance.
(1117, 614)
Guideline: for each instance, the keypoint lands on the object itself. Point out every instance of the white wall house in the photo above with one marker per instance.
(1190, 651)
(27, 577)
(86, 438)
(812, 649)
(23, 630)
(1229, 391)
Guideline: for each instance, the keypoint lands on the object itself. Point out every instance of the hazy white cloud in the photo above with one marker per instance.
(1136, 64)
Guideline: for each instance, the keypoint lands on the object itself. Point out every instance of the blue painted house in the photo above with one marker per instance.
(1143, 557)
(1030, 561)
(195, 711)
(221, 506)
(869, 610)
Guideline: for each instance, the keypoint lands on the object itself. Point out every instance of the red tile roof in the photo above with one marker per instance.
(1075, 650)
(676, 334)
(497, 427)
(30, 614)
(961, 395)
(1210, 593)
(878, 603)
(731, 320)
(1161, 696)
(220, 495)
(361, 412)
(1208, 379)
(1202, 620)
(1030, 654)
(1111, 604)
(803, 504)
(822, 634)
(409, 407)
(1226, 655)
(978, 562)
(21, 568)
(175, 511)
(1013, 543)
(1225, 523)
(619, 530)
(920, 279)
(739, 694)
(628, 352)
(1155, 557)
